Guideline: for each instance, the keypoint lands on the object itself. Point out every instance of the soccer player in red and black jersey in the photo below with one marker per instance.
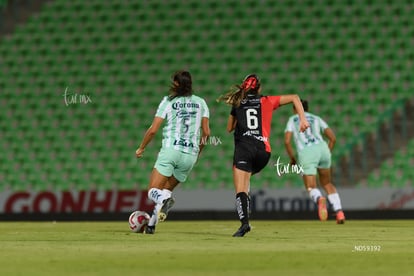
(250, 118)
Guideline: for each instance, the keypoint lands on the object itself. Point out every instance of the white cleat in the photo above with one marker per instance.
(167, 204)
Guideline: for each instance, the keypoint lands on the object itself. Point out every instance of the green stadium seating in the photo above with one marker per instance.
(348, 59)
(395, 171)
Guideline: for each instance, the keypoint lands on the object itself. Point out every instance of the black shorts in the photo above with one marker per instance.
(249, 158)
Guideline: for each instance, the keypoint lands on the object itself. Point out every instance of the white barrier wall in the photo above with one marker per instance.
(296, 199)
(287, 199)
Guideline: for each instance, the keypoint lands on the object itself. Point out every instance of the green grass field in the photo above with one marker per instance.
(207, 248)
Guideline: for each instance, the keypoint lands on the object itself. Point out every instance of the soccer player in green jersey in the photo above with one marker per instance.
(314, 155)
(187, 125)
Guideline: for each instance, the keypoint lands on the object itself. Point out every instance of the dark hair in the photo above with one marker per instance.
(305, 105)
(181, 85)
(237, 93)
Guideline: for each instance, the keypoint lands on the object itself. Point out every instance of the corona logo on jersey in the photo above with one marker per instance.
(179, 105)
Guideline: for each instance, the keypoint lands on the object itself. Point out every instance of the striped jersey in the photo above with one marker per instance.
(254, 117)
(312, 135)
(183, 122)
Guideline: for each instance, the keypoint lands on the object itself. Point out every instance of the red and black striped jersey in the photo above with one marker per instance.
(254, 117)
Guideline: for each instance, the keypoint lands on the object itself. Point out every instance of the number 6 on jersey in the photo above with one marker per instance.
(251, 118)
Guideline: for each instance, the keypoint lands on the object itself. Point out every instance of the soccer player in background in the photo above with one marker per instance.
(314, 155)
(186, 115)
(250, 118)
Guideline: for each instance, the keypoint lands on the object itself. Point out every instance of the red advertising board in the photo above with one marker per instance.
(75, 202)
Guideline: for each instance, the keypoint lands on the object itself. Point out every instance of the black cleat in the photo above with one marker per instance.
(242, 230)
(149, 230)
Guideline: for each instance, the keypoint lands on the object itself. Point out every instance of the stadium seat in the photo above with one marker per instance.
(350, 66)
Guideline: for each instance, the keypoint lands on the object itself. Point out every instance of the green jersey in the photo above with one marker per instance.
(183, 122)
(312, 135)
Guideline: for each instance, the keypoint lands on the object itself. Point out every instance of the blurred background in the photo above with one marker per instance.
(80, 82)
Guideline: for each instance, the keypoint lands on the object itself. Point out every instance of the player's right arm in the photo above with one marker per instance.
(293, 98)
(231, 123)
(149, 134)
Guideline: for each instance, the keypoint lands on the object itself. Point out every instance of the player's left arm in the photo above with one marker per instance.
(289, 148)
(149, 135)
(205, 133)
(331, 138)
(231, 123)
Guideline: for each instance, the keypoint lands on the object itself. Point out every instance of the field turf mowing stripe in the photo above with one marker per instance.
(358, 247)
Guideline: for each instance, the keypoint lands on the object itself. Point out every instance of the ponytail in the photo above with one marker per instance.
(234, 96)
(237, 93)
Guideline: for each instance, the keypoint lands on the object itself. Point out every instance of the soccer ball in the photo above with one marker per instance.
(138, 220)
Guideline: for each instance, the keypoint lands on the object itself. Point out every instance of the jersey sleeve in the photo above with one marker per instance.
(290, 126)
(233, 111)
(323, 124)
(275, 101)
(205, 111)
(162, 108)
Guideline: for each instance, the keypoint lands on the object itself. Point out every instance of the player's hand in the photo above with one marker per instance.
(139, 152)
(304, 124)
